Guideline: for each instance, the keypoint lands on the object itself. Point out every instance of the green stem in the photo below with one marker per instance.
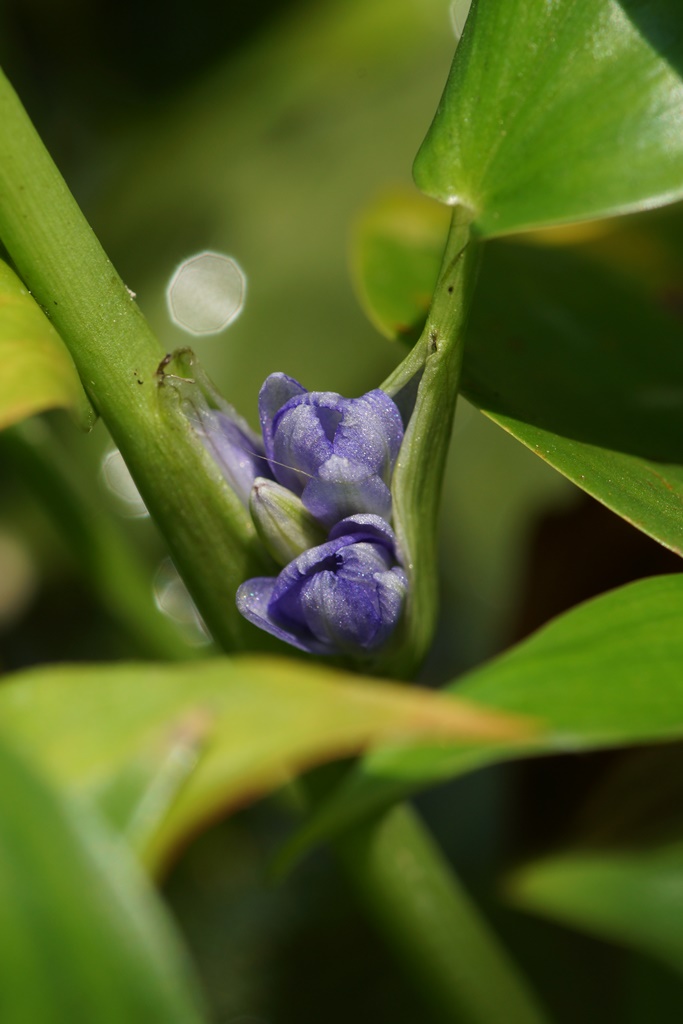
(209, 532)
(434, 928)
(410, 892)
(98, 545)
(418, 475)
(413, 895)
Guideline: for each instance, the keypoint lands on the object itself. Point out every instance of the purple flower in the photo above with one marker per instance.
(331, 459)
(337, 453)
(237, 449)
(343, 597)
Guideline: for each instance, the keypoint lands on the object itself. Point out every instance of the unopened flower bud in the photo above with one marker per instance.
(282, 522)
(236, 448)
(337, 453)
(343, 597)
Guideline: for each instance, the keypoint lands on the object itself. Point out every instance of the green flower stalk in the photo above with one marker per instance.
(435, 363)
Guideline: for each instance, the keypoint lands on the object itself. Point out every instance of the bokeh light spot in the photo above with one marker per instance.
(459, 10)
(117, 477)
(173, 599)
(206, 293)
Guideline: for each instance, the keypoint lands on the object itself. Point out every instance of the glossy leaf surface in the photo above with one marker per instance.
(634, 898)
(557, 112)
(583, 366)
(607, 673)
(574, 349)
(82, 935)
(246, 726)
(397, 246)
(37, 371)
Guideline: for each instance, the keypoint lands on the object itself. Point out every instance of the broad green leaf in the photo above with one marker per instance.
(634, 898)
(249, 723)
(396, 254)
(561, 111)
(607, 673)
(82, 936)
(583, 367)
(37, 370)
(576, 351)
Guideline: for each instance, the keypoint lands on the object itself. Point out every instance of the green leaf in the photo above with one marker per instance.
(247, 725)
(557, 112)
(555, 350)
(82, 936)
(607, 673)
(396, 254)
(557, 358)
(37, 371)
(633, 898)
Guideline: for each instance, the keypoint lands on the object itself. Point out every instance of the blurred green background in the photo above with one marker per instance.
(262, 131)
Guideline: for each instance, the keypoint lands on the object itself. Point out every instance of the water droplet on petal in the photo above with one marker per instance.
(206, 293)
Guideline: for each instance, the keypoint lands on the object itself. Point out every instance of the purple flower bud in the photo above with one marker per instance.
(337, 453)
(235, 447)
(343, 597)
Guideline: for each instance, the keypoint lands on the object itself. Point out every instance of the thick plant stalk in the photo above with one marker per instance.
(425, 915)
(422, 912)
(210, 534)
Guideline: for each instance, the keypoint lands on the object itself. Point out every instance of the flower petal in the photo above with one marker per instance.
(370, 433)
(253, 598)
(341, 596)
(285, 601)
(342, 488)
(362, 561)
(277, 390)
(235, 447)
(347, 594)
(300, 444)
(365, 527)
(392, 587)
(343, 612)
